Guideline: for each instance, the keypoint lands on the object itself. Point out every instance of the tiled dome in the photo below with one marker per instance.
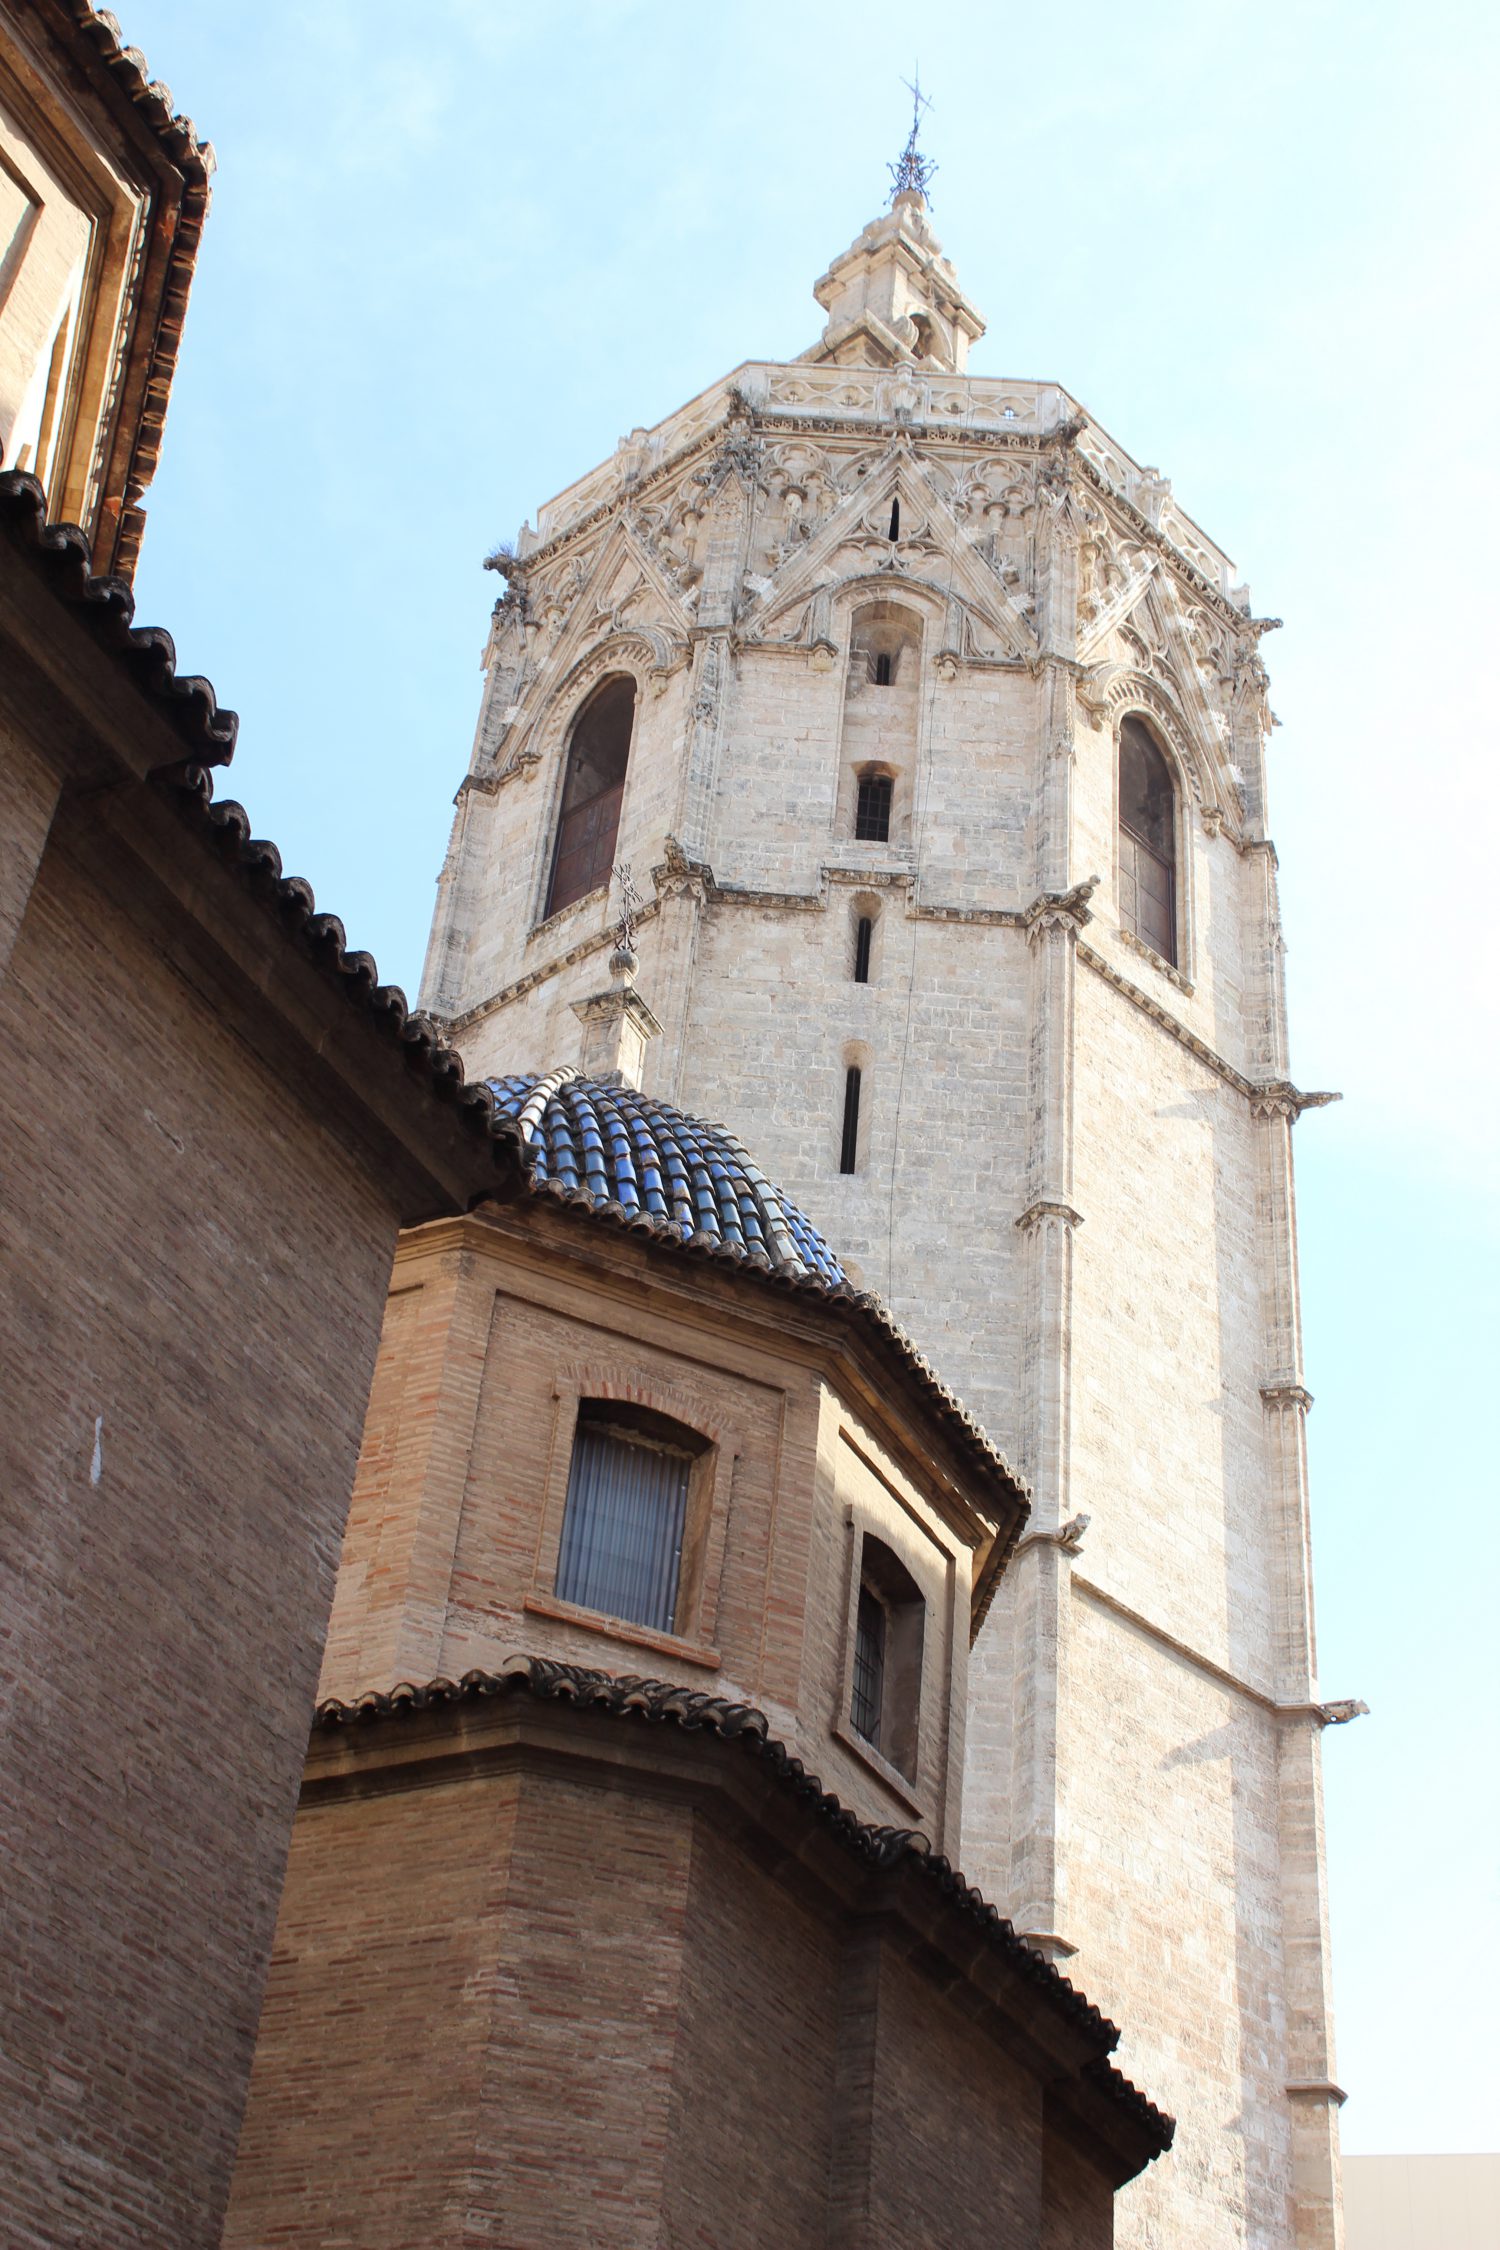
(615, 1146)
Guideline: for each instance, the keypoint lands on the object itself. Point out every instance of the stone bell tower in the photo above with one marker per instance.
(939, 755)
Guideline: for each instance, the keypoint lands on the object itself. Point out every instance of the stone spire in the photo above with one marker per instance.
(893, 299)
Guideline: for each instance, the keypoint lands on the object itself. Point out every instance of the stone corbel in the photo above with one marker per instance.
(1278, 1097)
(1061, 910)
(1068, 1537)
(677, 872)
(1280, 1396)
(1035, 1214)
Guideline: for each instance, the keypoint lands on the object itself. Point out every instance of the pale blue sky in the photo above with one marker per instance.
(456, 251)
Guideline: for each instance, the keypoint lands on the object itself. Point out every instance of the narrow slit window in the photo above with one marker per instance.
(872, 809)
(593, 789)
(849, 1146)
(895, 530)
(623, 1523)
(883, 670)
(1148, 834)
(864, 931)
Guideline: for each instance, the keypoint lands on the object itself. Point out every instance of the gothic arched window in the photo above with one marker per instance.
(1148, 841)
(588, 819)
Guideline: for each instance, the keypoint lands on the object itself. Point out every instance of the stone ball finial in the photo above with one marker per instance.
(623, 965)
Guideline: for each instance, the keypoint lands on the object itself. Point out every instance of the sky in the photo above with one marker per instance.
(455, 252)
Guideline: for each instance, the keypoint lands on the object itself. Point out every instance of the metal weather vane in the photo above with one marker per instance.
(912, 170)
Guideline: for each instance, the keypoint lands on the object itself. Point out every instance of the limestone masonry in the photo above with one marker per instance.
(944, 782)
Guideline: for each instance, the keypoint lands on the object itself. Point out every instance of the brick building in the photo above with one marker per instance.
(569, 1955)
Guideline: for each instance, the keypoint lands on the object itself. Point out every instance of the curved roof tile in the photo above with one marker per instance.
(616, 1145)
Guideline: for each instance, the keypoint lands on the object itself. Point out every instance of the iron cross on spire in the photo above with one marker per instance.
(912, 170)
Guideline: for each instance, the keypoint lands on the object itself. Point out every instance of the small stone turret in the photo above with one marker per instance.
(893, 299)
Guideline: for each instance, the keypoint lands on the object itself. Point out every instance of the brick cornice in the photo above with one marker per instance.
(678, 1737)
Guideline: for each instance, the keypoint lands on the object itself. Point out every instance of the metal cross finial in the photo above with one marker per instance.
(630, 906)
(912, 171)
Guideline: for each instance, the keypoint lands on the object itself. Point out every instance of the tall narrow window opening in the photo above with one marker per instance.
(1148, 841)
(864, 931)
(890, 1623)
(626, 1513)
(895, 530)
(872, 809)
(869, 1666)
(883, 670)
(849, 1146)
(593, 787)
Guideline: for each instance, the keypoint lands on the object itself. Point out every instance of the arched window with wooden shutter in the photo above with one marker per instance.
(588, 820)
(1148, 841)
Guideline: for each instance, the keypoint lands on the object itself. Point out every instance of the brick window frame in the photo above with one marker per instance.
(695, 1624)
(901, 1764)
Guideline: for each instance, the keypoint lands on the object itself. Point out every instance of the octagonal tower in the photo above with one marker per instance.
(933, 730)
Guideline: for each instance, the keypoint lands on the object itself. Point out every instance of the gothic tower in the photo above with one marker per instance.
(933, 730)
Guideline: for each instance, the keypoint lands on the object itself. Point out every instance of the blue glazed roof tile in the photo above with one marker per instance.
(623, 1147)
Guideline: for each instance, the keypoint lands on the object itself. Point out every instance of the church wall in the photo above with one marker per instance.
(1168, 1440)
(754, 2116)
(610, 1986)
(175, 1477)
(941, 1038)
(1186, 1953)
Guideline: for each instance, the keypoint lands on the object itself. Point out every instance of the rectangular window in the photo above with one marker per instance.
(869, 1667)
(623, 1525)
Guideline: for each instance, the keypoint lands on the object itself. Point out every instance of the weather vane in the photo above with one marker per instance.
(911, 170)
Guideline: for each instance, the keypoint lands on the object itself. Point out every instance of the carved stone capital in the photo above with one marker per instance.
(1036, 1214)
(1061, 910)
(677, 872)
(1284, 1396)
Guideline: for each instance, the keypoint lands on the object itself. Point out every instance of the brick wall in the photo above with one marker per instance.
(195, 1272)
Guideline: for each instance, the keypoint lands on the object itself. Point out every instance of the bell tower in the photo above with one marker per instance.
(945, 785)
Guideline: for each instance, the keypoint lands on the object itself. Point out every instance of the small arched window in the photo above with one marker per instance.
(864, 937)
(589, 817)
(886, 1682)
(1148, 841)
(626, 1516)
(872, 808)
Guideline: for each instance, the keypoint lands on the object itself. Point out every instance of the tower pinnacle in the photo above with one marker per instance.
(893, 299)
(912, 170)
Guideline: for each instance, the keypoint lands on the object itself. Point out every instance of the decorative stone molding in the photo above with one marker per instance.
(1286, 1396)
(1278, 1097)
(677, 873)
(1158, 961)
(1050, 1945)
(1061, 910)
(1037, 1213)
(1317, 2090)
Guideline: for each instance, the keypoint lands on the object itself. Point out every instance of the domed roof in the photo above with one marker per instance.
(614, 1146)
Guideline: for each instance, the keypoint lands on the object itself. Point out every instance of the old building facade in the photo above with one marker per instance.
(621, 1907)
(934, 731)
